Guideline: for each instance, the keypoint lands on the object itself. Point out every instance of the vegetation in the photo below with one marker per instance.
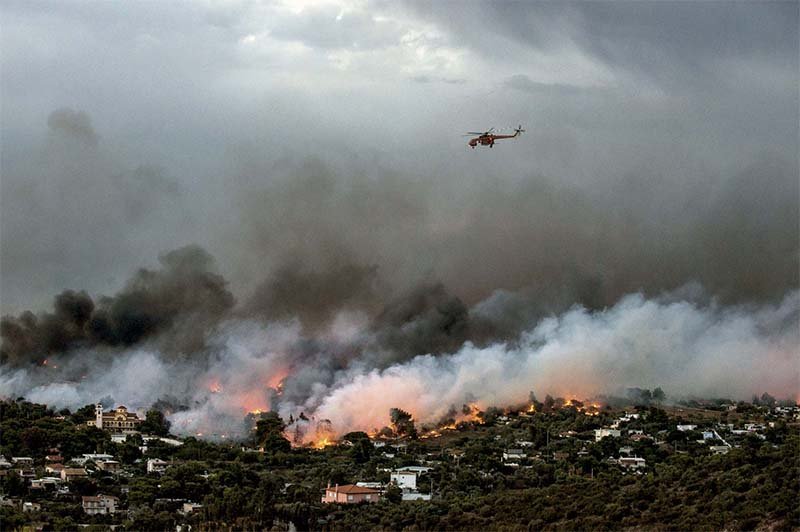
(566, 481)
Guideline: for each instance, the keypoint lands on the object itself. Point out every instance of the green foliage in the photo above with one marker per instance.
(402, 423)
(393, 494)
(566, 482)
(155, 423)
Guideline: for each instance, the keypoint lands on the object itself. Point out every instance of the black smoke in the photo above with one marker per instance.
(176, 303)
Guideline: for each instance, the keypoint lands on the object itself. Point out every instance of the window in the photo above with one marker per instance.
(349, 497)
(369, 497)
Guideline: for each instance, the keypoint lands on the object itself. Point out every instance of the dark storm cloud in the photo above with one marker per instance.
(685, 43)
(523, 83)
(655, 38)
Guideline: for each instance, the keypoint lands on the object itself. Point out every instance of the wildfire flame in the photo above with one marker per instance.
(322, 443)
(276, 380)
(324, 435)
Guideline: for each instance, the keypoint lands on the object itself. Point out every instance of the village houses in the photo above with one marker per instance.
(69, 474)
(350, 494)
(156, 465)
(599, 434)
(100, 505)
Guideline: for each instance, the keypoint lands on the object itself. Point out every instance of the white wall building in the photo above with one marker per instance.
(632, 462)
(406, 480)
(599, 434)
(156, 465)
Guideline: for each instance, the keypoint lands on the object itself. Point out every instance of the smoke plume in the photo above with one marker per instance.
(177, 302)
(426, 353)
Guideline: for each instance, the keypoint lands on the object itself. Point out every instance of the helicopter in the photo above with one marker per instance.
(487, 138)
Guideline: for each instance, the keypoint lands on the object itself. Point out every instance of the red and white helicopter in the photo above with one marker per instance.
(487, 138)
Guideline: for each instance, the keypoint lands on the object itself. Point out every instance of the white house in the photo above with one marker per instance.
(41, 483)
(156, 465)
(406, 480)
(415, 468)
(93, 457)
(631, 462)
(31, 506)
(416, 496)
(514, 454)
(686, 428)
(599, 434)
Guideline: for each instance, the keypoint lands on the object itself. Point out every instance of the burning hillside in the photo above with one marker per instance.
(426, 357)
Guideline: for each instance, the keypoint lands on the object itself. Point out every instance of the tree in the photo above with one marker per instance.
(767, 399)
(128, 453)
(659, 395)
(402, 423)
(361, 451)
(353, 437)
(83, 414)
(269, 433)
(549, 402)
(34, 439)
(393, 493)
(155, 423)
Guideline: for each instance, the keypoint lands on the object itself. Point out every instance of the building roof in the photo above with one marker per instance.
(98, 498)
(74, 471)
(351, 489)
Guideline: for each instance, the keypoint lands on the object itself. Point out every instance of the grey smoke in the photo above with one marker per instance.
(684, 347)
(316, 155)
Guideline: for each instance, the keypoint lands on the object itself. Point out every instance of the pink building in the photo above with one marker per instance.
(350, 494)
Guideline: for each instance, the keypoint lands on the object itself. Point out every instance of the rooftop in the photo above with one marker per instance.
(351, 488)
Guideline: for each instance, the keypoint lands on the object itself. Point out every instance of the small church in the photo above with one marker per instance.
(117, 420)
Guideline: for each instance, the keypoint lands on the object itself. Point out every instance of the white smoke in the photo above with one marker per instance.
(684, 347)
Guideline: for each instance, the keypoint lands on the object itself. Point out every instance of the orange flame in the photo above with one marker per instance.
(215, 387)
(322, 443)
(276, 380)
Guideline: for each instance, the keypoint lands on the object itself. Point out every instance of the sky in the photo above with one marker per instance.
(129, 130)
(272, 205)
